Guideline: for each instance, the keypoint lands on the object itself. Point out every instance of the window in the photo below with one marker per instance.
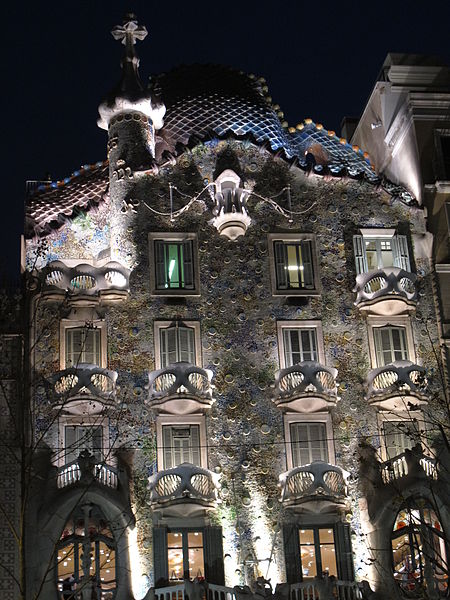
(82, 342)
(177, 341)
(174, 270)
(317, 551)
(87, 551)
(308, 442)
(390, 344)
(300, 341)
(295, 264)
(419, 550)
(81, 437)
(185, 557)
(399, 436)
(181, 445)
(378, 249)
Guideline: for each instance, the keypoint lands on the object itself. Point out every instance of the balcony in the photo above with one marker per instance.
(388, 291)
(398, 386)
(180, 389)
(306, 387)
(313, 483)
(195, 590)
(84, 390)
(184, 491)
(87, 470)
(326, 588)
(85, 285)
(410, 463)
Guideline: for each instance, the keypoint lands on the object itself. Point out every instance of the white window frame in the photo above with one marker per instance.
(374, 322)
(85, 421)
(383, 416)
(292, 238)
(178, 238)
(66, 324)
(159, 325)
(178, 421)
(367, 234)
(320, 417)
(283, 325)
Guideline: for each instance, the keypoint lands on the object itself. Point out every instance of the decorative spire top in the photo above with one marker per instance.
(130, 94)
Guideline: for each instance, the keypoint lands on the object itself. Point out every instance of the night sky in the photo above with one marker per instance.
(320, 60)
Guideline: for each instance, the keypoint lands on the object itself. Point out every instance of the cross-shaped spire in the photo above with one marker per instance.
(128, 33)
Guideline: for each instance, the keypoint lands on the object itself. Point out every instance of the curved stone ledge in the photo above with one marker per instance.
(397, 385)
(389, 291)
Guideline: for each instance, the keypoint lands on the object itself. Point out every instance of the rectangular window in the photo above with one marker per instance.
(294, 264)
(185, 555)
(81, 437)
(390, 344)
(299, 345)
(174, 270)
(82, 345)
(309, 443)
(398, 436)
(177, 344)
(380, 249)
(181, 444)
(317, 552)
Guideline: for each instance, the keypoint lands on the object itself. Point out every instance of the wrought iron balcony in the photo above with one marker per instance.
(84, 389)
(184, 489)
(180, 389)
(387, 291)
(316, 481)
(87, 470)
(306, 387)
(409, 463)
(84, 283)
(397, 386)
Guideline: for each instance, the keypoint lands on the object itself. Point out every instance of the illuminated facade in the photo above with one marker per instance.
(233, 345)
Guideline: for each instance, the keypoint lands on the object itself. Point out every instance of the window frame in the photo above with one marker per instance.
(85, 421)
(98, 324)
(282, 326)
(185, 531)
(319, 417)
(375, 322)
(399, 250)
(176, 237)
(159, 325)
(316, 527)
(294, 238)
(179, 421)
(414, 416)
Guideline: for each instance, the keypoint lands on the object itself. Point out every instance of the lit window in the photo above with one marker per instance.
(299, 345)
(185, 555)
(83, 437)
(380, 250)
(177, 344)
(309, 443)
(82, 345)
(390, 344)
(181, 444)
(174, 270)
(317, 552)
(295, 264)
(419, 550)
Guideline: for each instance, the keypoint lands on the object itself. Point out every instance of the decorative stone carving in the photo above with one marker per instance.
(388, 291)
(306, 387)
(231, 217)
(397, 386)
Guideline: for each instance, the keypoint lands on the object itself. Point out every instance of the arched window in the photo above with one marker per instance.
(86, 556)
(419, 550)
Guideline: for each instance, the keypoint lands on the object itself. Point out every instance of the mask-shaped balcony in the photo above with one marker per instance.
(410, 463)
(185, 490)
(180, 389)
(400, 385)
(316, 487)
(388, 291)
(306, 387)
(85, 285)
(87, 470)
(84, 390)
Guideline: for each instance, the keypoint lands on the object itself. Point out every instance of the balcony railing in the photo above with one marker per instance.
(410, 461)
(306, 387)
(180, 388)
(386, 291)
(186, 484)
(86, 470)
(191, 590)
(110, 282)
(400, 379)
(318, 480)
(326, 588)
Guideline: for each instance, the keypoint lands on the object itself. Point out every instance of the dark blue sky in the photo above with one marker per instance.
(320, 60)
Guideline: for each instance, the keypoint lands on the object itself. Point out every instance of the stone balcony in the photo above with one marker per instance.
(180, 389)
(326, 588)
(306, 387)
(398, 386)
(85, 389)
(185, 491)
(85, 285)
(86, 470)
(318, 482)
(388, 291)
(409, 463)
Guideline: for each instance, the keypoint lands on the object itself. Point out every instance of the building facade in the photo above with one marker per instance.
(235, 359)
